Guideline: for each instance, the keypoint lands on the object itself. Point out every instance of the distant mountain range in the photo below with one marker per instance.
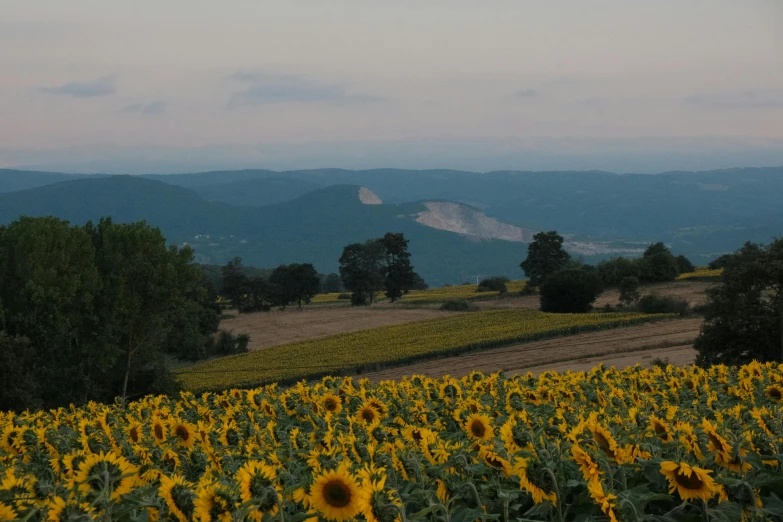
(461, 224)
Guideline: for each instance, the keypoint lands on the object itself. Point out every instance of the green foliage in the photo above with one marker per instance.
(419, 283)
(331, 283)
(570, 291)
(295, 283)
(98, 306)
(629, 290)
(361, 270)
(226, 343)
(344, 296)
(493, 284)
(398, 272)
(720, 262)
(612, 271)
(684, 265)
(744, 315)
(658, 304)
(545, 256)
(458, 305)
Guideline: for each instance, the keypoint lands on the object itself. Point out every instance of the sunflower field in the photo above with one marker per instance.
(667, 444)
(376, 347)
(433, 295)
(701, 272)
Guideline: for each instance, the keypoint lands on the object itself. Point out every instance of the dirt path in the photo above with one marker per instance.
(588, 349)
(281, 327)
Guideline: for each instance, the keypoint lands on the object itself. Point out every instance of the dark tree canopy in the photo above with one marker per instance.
(399, 276)
(361, 269)
(331, 283)
(545, 256)
(570, 291)
(744, 319)
(629, 290)
(295, 283)
(88, 312)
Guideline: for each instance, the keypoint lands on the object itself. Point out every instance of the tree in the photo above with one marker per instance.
(147, 289)
(331, 283)
(234, 282)
(361, 269)
(545, 256)
(398, 273)
(613, 271)
(629, 290)
(294, 283)
(658, 267)
(744, 317)
(656, 248)
(419, 283)
(493, 284)
(570, 291)
(684, 265)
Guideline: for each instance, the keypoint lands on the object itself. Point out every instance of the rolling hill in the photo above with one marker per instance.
(311, 228)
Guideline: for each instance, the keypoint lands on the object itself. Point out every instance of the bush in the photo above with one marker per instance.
(458, 305)
(660, 363)
(684, 265)
(227, 343)
(629, 290)
(358, 299)
(344, 296)
(570, 291)
(493, 284)
(657, 304)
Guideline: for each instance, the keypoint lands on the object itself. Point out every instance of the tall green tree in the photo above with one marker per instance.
(570, 291)
(295, 283)
(48, 283)
(148, 289)
(361, 269)
(399, 276)
(744, 317)
(545, 256)
(233, 282)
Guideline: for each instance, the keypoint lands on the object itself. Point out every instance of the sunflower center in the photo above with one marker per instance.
(716, 442)
(134, 434)
(660, 430)
(158, 429)
(477, 428)
(368, 414)
(604, 444)
(182, 432)
(775, 394)
(693, 482)
(337, 493)
(330, 404)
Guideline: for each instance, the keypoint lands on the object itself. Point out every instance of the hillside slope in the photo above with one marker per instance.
(311, 228)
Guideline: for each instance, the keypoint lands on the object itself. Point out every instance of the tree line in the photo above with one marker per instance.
(366, 269)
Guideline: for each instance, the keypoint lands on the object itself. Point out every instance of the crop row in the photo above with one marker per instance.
(395, 344)
(434, 295)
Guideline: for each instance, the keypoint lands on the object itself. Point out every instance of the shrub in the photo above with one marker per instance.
(629, 290)
(458, 305)
(241, 343)
(493, 284)
(227, 343)
(684, 265)
(344, 296)
(657, 304)
(570, 291)
(660, 363)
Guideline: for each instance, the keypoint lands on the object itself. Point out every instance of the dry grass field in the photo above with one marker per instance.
(619, 347)
(291, 325)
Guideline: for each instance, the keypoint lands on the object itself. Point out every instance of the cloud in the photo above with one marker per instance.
(103, 86)
(590, 103)
(264, 88)
(762, 99)
(151, 108)
(528, 93)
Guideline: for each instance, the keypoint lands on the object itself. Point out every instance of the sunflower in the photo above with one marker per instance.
(22, 489)
(605, 441)
(606, 502)
(103, 471)
(134, 432)
(661, 429)
(774, 392)
(159, 430)
(332, 403)
(58, 510)
(382, 506)
(7, 512)
(257, 483)
(587, 465)
(214, 503)
(185, 433)
(336, 495)
(176, 492)
(494, 460)
(535, 479)
(378, 405)
(368, 413)
(689, 481)
(479, 427)
(11, 439)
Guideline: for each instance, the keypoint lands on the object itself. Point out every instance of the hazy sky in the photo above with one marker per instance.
(177, 84)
